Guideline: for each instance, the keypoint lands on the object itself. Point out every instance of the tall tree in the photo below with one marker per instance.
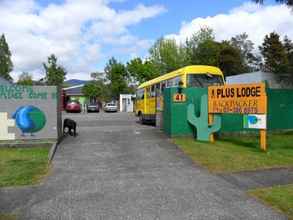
(6, 64)
(116, 74)
(289, 52)
(93, 90)
(25, 79)
(166, 55)
(246, 46)
(288, 2)
(230, 61)
(274, 54)
(204, 35)
(141, 71)
(55, 74)
(207, 53)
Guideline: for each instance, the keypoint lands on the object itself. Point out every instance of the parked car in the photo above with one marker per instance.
(93, 107)
(110, 107)
(73, 106)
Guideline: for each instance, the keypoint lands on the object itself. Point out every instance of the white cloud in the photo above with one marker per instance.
(255, 20)
(75, 31)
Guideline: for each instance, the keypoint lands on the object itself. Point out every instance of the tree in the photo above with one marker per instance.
(274, 54)
(230, 59)
(288, 2)
(166, 55)
(116, 74)
(98, 76)
(55, 74)
(92, 90)
(204, 35)
(141, 71)
(288, 45)
(250, 60)
(6, 64)
(25, 79)
(207, 53)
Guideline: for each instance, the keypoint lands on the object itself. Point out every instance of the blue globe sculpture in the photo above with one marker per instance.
(29, 119)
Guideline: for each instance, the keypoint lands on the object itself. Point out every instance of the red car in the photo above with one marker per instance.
(73, 106)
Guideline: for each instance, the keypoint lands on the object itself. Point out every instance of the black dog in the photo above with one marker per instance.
(70, 125)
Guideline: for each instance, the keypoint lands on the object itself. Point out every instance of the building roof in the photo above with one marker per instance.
(74, 90)
(274, 81)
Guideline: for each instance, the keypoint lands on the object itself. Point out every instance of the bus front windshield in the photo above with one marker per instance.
(204, 80)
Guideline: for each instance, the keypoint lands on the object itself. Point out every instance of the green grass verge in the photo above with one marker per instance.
(7, 217)
(23, 166)
(239, 153)
(278, 197)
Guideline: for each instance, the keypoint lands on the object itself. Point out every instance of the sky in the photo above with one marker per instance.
(85, 34)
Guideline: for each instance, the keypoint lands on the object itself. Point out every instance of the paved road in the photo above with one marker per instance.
(117, 169)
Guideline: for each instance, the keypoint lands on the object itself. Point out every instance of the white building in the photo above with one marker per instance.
(126, 103)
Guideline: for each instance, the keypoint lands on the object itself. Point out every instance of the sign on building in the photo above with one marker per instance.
(29, 112)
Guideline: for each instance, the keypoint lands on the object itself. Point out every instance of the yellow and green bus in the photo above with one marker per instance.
(149, 98)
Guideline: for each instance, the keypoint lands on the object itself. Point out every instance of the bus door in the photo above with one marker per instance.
(151, 100)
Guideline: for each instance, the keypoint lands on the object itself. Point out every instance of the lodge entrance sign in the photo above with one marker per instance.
(238, 98)
(249, 100)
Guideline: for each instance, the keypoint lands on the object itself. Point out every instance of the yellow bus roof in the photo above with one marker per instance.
(195, 69)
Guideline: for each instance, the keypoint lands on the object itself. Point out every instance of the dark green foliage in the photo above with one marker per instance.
(93, 90)
(55, 74)
(166, 55)
(97, 90)
(202, 49)
(230, 61)
(116, 74)
(6, 64)
(250, 61)
(274, 54)
(207, 53)
(203, 39)
(141, 71)
(289, 52)
(25, 79)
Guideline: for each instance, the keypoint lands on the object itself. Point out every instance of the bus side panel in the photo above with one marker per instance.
(139, 106)
(152, 106)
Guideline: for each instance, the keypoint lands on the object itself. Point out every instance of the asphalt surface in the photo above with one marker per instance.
(246, 180)
(116, 169)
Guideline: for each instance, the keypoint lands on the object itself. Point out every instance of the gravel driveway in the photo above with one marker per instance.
(116, 169)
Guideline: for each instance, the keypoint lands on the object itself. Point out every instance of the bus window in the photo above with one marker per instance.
(158, 89)
(203, 80)
(169, 83)
(163, 86)
(140, 94)
(152, 91)
(176, 81)
(158, 86)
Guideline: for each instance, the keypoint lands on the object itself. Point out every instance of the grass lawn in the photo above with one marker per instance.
(7, 217)
(23, 166)
(278, 197)
(239, 153)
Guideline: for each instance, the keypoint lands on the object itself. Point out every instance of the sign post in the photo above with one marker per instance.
(249, 100)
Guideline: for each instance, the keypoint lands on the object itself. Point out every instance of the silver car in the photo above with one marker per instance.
(110, 107)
